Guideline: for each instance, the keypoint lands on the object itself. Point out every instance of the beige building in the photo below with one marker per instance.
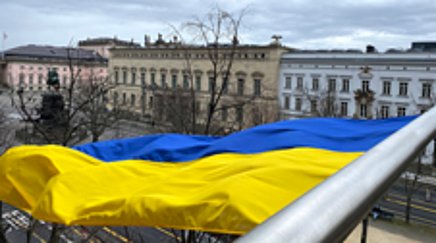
(148, 76)
(104, 44)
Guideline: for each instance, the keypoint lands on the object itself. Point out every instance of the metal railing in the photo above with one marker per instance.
(330, 211)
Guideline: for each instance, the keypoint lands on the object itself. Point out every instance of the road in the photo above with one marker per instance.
(17, 223)
(422, 211)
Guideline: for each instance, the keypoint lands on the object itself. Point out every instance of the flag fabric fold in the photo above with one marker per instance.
(225, 184)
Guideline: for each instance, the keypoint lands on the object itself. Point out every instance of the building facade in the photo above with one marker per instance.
(356, 85)
(141, 72)
(3, 83)
(26, 67)
(103, 45)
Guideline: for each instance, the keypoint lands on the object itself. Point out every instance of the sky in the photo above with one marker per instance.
(303, 24)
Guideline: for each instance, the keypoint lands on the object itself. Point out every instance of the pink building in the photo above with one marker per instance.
(27, 66)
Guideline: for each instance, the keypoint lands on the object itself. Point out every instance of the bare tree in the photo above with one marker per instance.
(216, 28)
(75, 110)
(321, 103)
(327, 103)
(96, 116)
(412, 185)
(186, 108)
(81, 107)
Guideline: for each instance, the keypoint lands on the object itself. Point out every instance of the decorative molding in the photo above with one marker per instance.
(404, 79)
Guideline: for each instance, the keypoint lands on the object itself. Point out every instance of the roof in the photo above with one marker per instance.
(172, 46)
(36, 51)
(107, 41)
(426, 58)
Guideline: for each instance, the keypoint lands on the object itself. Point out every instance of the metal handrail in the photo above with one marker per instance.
(330, 211)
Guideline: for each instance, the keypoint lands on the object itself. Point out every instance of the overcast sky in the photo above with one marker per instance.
(303, 24)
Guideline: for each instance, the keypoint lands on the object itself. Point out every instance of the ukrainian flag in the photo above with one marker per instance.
(220, 184)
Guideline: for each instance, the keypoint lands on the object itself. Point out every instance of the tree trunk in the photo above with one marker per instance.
(434, 152)
(55, 233)
(126, 232)
(30, 229)
(2, 233)
(408, 206)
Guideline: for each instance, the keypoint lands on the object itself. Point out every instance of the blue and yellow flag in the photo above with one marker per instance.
(220, 184)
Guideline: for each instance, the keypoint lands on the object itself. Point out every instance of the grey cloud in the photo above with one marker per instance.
(302, 23)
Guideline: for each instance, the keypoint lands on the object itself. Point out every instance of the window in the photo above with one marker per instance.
(30, 79)
(143, 100)
(313, 106)
(211, 84)
(40, 77)
(332, 85)
(363, 111)
(426, 90)
(257, 87)
(345, 85)
(64, 80)
(133, 78)
(163, 81)
(174, 81)
(300, 83)
(225, 85)
(365, 85)
(142, 78)
(288, 83)
(150, 102)
(132, 99)
(124, 98)
(116, 78)
(153, 78)
(344, 108)
(115, 98)
(185, 81)
(384, 111)
(298, 104)
(401, 111)
(224, 114)
(124, 77)
(21, 80)
(315, 84)
(403, 89)
(241, 86)
(287, 104)
(386, 87)
(239, 114)
(198, 83)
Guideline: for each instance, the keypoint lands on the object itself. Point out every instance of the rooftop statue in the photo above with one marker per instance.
(52, 103)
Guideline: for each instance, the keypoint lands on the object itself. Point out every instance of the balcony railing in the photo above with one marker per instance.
(330, 211)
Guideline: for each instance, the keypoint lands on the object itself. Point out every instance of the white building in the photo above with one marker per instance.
(355, 84)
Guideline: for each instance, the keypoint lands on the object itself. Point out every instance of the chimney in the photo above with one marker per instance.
(371, 49)
(175, 39)
(160, 40)
(146, 40)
